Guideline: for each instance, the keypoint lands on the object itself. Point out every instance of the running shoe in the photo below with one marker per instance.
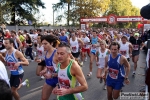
(86, 59)
(27, 83)
(101, 80)
(42, 77)
(81, 63)
(105, 87)
(133, 74)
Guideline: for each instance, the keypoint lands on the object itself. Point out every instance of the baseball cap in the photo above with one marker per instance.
(136, 34)
(7, 30)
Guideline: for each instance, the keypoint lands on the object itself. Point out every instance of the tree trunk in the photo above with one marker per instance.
(68, 18)
(13, 19)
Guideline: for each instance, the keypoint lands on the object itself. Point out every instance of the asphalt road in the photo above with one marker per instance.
(95, 90)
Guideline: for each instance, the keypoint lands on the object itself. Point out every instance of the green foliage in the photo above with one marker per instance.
(96, 8)
(5, 10)
(123, 8)
(24, 9)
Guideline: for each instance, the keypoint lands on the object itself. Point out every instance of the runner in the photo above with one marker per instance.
(74, 43)
(117, 74)
(95, 44)
(14, 61)
(63, 38)
(7, 34)
(2, 47)
(125, 48)
(28, 51)
(68, 73)
(17, 42)
(22, 39)
(34, 38)
(86, 47)
(49, 43)
(101, 54)
(40, 56)
(136, 42)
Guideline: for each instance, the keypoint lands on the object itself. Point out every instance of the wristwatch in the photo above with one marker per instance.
(126, 78)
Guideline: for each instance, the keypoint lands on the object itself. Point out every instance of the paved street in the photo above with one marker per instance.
(95, 90)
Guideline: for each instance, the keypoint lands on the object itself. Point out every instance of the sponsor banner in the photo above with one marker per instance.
(94, 20)
(129, 19)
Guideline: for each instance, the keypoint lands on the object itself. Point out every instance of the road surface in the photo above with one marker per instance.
(95, 89)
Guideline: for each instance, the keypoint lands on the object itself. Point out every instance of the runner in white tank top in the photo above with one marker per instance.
(101, 54)
(40, 57)
(74, 43)
(125, 47)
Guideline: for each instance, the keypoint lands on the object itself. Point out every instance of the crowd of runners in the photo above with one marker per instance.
(60, 56)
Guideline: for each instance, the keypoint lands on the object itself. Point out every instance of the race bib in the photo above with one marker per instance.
(64, 83)
(39, 53)
(113, 73)
(123, 52)
(135, 47)
(50, 69)
(10, 66)
(74, 48)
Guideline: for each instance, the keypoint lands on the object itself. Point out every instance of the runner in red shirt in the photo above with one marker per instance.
(7, 34)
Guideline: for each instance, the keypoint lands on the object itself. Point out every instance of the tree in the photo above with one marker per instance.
(62, 5)
(24, 9)
(122, 8)
(5, 10)
(91, 8)
(82, 8)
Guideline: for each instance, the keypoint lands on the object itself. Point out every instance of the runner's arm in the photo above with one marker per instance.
(19, 42)
(82, 43)
(97, 56)
(20, 56)
(105, 68)
(126, 65)
(98, 44)
(142, 45)
(130, 48)
(77, 72)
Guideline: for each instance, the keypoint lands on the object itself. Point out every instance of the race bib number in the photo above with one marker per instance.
(10, 66)
(50, 69)
(74, 48)
(113, 73)
(123, 52)
(64, 83)
(39, 53)
(135, 47)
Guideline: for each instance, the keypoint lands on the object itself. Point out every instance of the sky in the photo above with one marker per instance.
(48, 12)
